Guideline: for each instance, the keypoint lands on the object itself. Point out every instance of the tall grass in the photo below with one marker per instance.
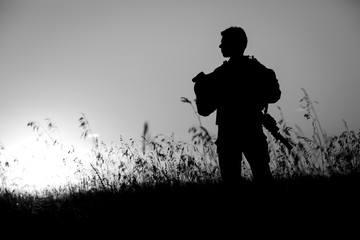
(159, 161)
(319, 154)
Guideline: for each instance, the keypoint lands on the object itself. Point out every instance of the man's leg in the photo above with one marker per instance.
(256, 153)
(230, 164)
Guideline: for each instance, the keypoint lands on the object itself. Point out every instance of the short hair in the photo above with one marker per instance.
(236, 36)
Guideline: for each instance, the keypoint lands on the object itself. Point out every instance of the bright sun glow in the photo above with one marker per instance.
(35, 165)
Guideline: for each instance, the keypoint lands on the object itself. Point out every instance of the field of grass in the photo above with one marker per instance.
(162, 180)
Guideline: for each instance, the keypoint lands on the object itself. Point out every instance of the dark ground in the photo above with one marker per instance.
(301, 204)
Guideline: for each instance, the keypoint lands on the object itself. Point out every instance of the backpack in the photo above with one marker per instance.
(268, 85)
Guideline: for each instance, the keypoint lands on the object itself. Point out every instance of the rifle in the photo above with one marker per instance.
(270, 124)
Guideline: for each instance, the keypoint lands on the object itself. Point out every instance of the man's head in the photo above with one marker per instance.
(233, 42)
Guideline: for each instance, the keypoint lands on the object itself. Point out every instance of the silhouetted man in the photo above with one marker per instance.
(240, 89)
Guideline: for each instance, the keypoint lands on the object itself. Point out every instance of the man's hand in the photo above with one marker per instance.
(199, 77)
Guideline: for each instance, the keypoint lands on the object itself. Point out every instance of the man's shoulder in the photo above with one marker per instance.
(254, 61)
(223, 65)
(220, 70)
(259, 67)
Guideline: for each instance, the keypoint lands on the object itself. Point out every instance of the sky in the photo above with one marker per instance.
(124, 63)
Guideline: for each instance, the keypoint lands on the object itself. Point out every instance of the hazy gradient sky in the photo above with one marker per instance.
(126, 62)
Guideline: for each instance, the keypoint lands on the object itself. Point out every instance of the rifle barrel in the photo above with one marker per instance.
(279, 137)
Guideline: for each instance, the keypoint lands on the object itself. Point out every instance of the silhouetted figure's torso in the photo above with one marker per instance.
(238, 91)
